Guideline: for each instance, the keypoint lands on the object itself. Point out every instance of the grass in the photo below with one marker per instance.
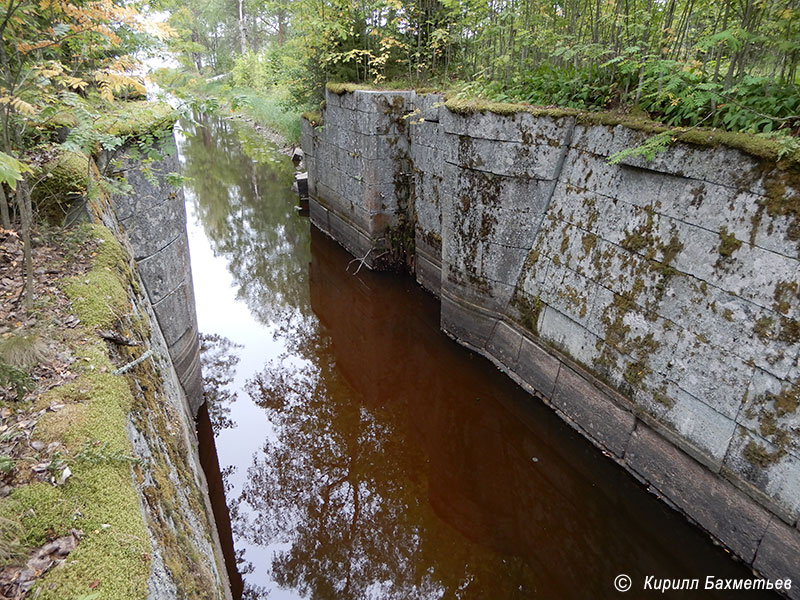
(271, 110)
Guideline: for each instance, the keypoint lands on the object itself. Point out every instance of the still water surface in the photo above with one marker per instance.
(366, 455)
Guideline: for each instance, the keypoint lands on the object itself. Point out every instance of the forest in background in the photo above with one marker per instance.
(730, 64)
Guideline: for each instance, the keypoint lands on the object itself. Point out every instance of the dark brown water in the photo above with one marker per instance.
(366, 455)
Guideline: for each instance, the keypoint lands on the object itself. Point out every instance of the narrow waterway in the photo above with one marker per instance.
(366, 455)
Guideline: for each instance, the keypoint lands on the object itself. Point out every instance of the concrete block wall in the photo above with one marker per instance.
(654, 305)
(359, 170)
(153, 216)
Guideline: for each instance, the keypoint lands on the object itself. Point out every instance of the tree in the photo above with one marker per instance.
(49, 51)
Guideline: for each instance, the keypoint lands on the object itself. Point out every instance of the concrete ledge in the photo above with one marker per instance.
(603, 421)
(504, 344)
(466, 322)
(319, 215)
(778, 556)
(721, 509)
(538, 368)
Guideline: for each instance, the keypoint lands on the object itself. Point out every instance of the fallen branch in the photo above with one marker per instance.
(132, 364)
(117, 338)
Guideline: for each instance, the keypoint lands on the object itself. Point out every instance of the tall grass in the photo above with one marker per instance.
(270, 109)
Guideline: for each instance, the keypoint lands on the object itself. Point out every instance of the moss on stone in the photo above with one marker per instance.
(136, 118)
(340, 89)
(313, 117)
(100, 295)
(99, 498)
(472, 106)
(728, 243)
(789, 331)
(660, 396)
(763, 327)
(787, 401)
(758, 455)
(529, 310)
(785, 292)
(62, 180)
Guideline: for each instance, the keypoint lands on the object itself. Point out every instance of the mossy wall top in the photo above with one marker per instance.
(671, 285)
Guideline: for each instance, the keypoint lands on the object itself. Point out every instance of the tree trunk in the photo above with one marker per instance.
(4, 216)
(25, 211)
(242, 38)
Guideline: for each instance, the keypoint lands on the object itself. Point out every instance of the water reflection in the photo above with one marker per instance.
(237, 183)
(218, 360)
(378, 459)
(405, 467)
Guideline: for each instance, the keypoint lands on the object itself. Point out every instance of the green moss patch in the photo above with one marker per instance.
(99, 498)
(728, 243)
(347, 88)
(61, 181)
(132, 119)
(315, 118)
(100, 296)
(473, 106)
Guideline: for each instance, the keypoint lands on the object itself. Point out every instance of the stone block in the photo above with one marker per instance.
(319, 216)
(151, 229)
(602, 420)
(720, 508)
(777, 555)
(762, 464)
(430, 106)
(574, 297)
(759, 408)
(537, 367)
(354, 240)
(511, 159)
(428, 273)
(709, 372)
(706, 430)
(465, 322)
(576, 341)
(150, 189)
(176, 314)
(504, 344)
(167, 269)
(519, 127)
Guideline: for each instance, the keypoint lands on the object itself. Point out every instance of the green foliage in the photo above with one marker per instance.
(11, 170)
(647, 150)
(16, 378)
(724, 65)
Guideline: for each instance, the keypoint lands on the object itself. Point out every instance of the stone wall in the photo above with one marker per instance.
(153, 218)
(653, 305)
(149, 224)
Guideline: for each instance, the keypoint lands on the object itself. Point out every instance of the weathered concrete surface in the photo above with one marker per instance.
(654, 304)
(186, 558)
(153, 217)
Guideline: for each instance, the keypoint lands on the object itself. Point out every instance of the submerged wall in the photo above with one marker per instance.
(654, 305)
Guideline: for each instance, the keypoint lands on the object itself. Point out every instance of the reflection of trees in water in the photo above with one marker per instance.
(218, 361)
(241, 190)
(347, 495)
